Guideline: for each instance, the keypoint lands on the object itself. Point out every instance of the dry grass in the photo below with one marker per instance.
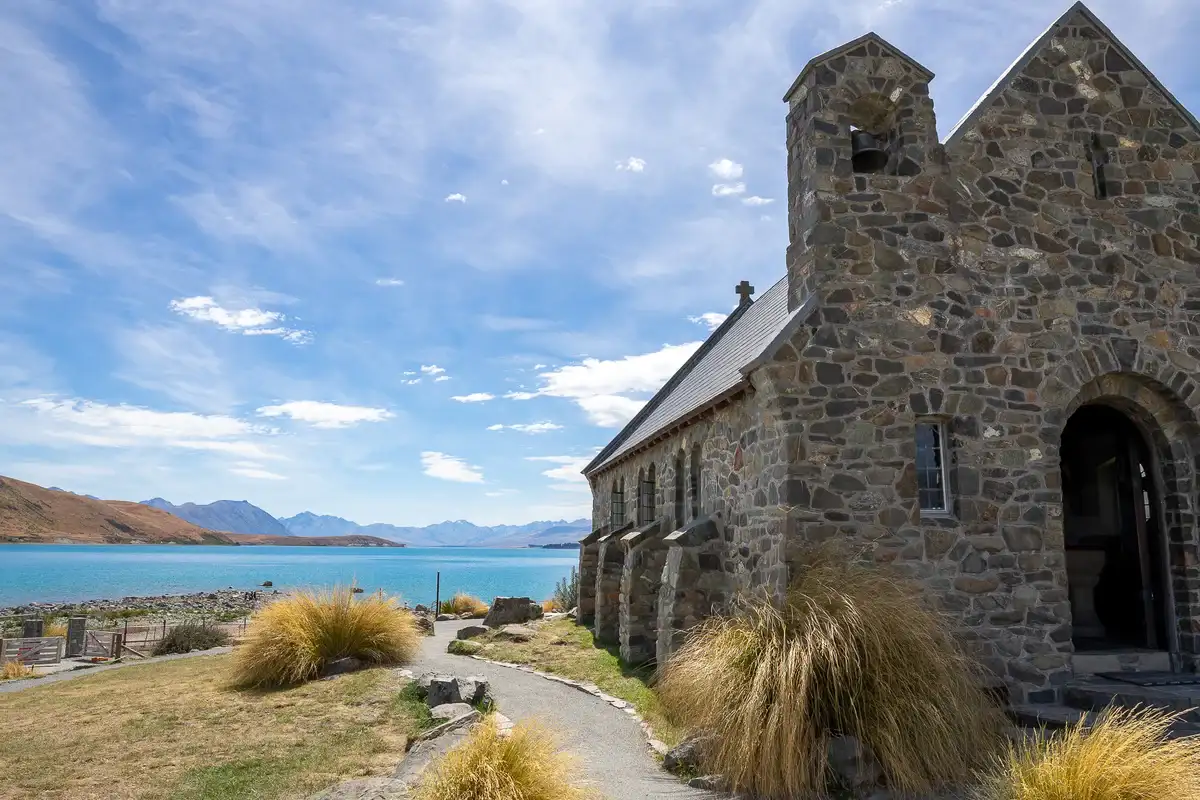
(176, 730)
(14, 671)
(293, 639)
(549, 606)
(564, 648)
(1126, 755)
(526, 765)
(853, 651)
(463, 603)
(55, 629)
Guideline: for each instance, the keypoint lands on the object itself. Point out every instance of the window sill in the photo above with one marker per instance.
(938, 515)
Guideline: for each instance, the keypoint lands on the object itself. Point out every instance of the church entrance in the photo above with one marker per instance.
(1113, 534)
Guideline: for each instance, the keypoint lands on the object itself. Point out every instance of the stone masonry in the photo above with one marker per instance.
(1044, 257)
(641, 574)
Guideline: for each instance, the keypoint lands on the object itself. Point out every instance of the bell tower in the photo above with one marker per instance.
(860, 125)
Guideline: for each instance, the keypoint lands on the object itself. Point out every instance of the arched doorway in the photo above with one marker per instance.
(1112, 530)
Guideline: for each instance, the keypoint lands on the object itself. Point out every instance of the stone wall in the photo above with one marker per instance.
(986, 286)
(645, 556)
(589, 563)
(610, 561)
(694, 583)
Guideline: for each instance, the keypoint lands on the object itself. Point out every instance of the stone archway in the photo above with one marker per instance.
(1169, 430)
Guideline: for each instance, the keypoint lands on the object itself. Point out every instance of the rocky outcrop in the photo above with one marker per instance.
(512, 611)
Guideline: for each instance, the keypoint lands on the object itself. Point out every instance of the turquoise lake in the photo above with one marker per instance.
(68, 573)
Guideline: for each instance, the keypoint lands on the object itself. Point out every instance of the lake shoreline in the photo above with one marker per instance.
(227, 602)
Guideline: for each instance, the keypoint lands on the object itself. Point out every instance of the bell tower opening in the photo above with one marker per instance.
(1112, 529)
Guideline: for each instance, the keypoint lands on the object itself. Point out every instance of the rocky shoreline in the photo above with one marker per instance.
(230, 603)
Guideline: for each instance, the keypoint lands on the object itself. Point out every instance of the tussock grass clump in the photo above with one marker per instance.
(293, 639)
(14, 671)
(525, 765)
(189, 636)
(1126, 755)
(852, 650)
(463, 603)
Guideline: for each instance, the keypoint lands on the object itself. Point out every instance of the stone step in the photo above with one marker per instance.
(1097, 694)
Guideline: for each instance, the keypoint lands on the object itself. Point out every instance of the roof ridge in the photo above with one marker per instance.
(870, 36)
(1027, 55)
(706, 346)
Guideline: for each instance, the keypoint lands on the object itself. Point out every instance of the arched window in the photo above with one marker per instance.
(614, 507)
(641, 497)
(1099, 158)
(695, 481)
(680, 489)
(649, 492)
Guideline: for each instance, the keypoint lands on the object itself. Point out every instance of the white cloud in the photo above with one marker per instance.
(449, 468)
(712, 320)
(120, 426)
(500, 493)
(632, 164)
(474, 397)
(389, 282)
(504, 182)
(755, 200)
(532, 427)
(432, 369)
(325, 415)
(248, 469)
(726, 170)
(728, 189)
(246, 321)
(568, 475)
(599, 386)
(456, 198)
(412, 382)
(441, 378)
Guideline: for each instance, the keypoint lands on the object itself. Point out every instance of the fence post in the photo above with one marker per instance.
(76, 632)
(32, 628)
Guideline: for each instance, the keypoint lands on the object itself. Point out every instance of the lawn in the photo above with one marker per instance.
(563, 648)
(175, 730)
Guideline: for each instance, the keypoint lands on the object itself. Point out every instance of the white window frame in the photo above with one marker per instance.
(942, 453)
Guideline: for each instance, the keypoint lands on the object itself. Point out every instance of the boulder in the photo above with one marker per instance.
(441, 689)
(685, 757)
(445, 617)
(516, 633)
(511, 611)
(420, 609)
(425, 623)
(470, 632)
(451, 711)
(340, 666)
(464, 647)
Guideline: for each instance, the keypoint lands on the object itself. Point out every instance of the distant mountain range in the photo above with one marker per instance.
(239, 516)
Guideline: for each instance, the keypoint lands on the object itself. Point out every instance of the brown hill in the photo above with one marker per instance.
(32, 514)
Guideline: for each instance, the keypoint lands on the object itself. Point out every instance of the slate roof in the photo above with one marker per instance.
(996, 89)
(716, 371)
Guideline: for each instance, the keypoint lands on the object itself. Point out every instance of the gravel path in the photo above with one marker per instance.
(609, 743)
(58, 677)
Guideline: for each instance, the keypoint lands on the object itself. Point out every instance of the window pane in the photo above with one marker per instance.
(931, 489)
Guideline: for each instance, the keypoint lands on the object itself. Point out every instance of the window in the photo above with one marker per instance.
(646, 504)
(614, 507)
(680, 489)
(695, 481)
(1099, 158)
(618, 504)
(932, 486)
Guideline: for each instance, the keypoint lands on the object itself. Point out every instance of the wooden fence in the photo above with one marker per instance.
(42, 650)
(101, 644)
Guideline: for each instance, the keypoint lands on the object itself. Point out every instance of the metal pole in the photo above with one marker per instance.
(437, 597)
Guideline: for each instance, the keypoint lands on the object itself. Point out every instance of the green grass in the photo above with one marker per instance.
(409, 704)
(564, 648)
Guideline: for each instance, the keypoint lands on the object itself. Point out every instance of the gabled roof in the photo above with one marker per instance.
(847, 47)
(713, 373)
(996, 89)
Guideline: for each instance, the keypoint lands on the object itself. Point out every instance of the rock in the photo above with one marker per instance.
(685, 756)
(516, 633)
(464, 647)
(573, 611)
(451, 711)
(341, 666)
(471, 631)
(536, 611)
(445, 617)
(420, 609)
(852, 764)
(440, 689)
(425, 623)
(267, 584)
(710, 783)
(510, 611)
(356, 590)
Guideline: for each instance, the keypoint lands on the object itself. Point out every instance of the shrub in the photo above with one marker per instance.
(1126, 755)
(525, 765)
(850, 651)
(551, 605)
(566, 593)
(51, 627)
(14, 671)
(463, 603)
(189, 636)
(293, 639)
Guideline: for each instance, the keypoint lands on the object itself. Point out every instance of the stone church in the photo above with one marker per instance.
(981, 366)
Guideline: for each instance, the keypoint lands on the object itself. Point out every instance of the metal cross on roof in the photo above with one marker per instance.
(744, 290)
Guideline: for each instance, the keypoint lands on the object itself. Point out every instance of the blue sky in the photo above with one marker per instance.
(406, 261)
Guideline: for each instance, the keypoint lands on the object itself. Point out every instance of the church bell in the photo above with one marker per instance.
(866, 154)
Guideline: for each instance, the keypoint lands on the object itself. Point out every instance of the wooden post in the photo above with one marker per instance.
(76, 632)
